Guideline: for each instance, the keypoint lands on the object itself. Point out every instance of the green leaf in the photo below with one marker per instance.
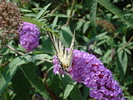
(85, 27)
(66, 36)
(93, 11)
(46, 45)
(36, 57)
(124, 40)
(107, 58)
(6, 95)
(98, 37)
(85, 92)
(131, 98)
(68, 89)
(55, 21)
(42, 11)
(25, 10)
(115, 10)
(21, 86)
(34, 21)
(130, 44)
(87, 4)
(60, 15)
(86, 39)
(131, 47)
(30, 15)
(74, 92)
(101, 42)
(79, 25)
(29, 72)
(127, 51)
(10, 70)
(122, 61)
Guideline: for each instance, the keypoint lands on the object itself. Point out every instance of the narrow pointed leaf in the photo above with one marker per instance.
(68, 89)
(115, 10)
(74, 92)
(10, 70)
(29, 72)
(42, 11)
(93, 11)
(122, 62)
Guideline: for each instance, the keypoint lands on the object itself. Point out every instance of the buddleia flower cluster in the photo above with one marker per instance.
(89, 70)
(29, 36)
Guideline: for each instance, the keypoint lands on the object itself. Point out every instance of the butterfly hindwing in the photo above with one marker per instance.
(64, 56)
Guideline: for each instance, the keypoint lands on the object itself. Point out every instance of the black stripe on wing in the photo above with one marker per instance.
(63, 55)
(70, 56)
(59, 47)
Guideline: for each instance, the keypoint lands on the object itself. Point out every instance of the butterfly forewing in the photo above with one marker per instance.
(71, 50)
(64, 56)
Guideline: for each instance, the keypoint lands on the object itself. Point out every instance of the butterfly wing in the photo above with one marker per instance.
(70, 56)
(63, 55)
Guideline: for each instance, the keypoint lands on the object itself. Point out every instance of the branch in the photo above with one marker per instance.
(6, 63)
(24, 54)
(68, 20)
(45, 60)
(127, 42)
(14, 50)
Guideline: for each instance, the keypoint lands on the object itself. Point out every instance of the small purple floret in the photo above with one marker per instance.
(89, 70)
(29, 36)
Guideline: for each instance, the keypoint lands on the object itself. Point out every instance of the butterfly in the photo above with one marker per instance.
(64, 56)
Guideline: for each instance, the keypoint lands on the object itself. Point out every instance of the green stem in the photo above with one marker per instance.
(48, 29)
(68, 20)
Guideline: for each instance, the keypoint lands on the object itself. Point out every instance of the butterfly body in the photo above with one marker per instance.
(64, 56)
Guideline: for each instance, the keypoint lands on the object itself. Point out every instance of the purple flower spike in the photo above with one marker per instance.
(29, 36)
(89, 70)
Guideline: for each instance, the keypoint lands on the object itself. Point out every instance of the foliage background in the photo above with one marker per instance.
(103, 28)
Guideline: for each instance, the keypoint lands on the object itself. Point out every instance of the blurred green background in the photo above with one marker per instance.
(103, 28)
